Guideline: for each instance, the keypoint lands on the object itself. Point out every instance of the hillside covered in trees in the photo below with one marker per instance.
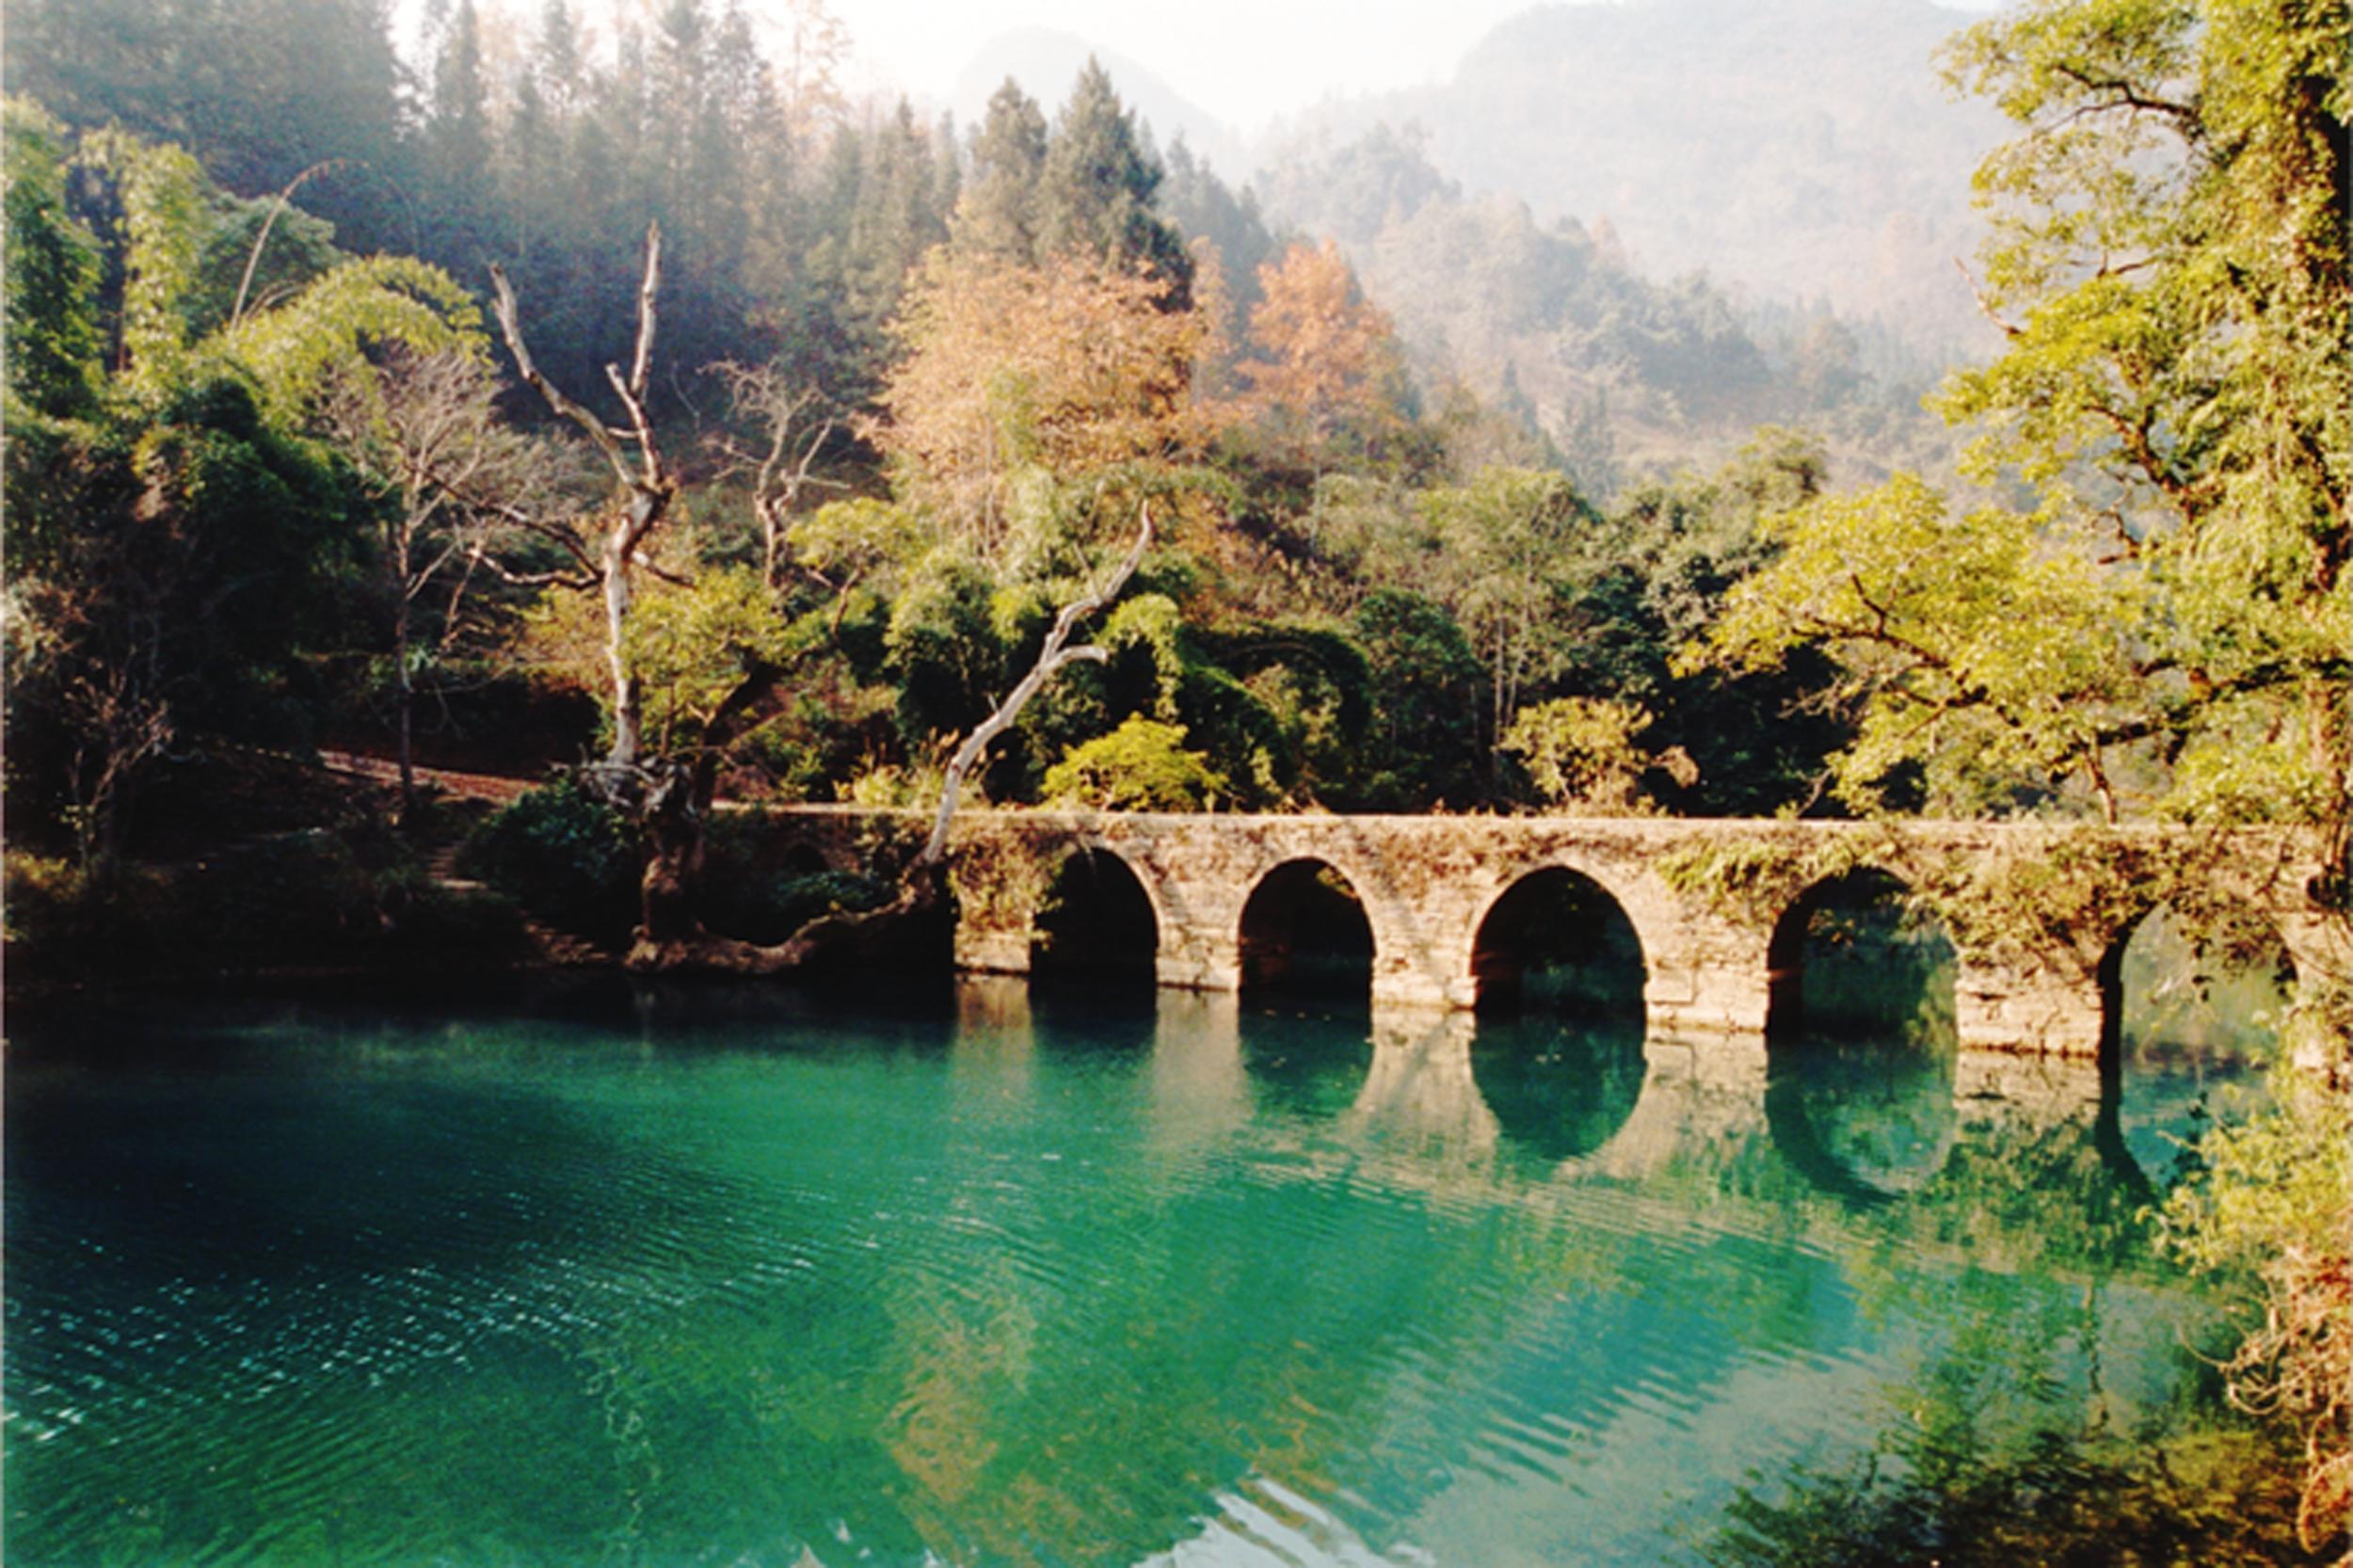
(905, 381)
(1798, 152)
(791, 423)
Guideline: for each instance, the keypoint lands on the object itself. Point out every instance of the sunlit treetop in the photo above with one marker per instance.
(2167, 264)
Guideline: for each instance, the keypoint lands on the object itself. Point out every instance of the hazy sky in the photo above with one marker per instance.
(1243, 60)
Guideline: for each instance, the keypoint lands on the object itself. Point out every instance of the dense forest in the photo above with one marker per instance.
(900, 390)
(901, 379)
(611, 394)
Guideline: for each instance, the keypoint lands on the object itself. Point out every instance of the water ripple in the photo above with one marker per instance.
(510, 1293)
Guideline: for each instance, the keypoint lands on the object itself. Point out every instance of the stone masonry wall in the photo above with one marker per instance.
(1427, 882)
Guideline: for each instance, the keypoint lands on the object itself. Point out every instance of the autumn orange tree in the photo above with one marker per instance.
(1067, 372)
(1323, 360)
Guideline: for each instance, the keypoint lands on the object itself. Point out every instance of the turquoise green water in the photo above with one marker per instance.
(751, 1277)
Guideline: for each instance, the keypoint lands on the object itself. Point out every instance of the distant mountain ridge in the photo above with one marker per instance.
(1795, 149)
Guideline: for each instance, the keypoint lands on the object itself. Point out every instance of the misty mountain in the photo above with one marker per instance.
(1046, 62)
(1793, 150)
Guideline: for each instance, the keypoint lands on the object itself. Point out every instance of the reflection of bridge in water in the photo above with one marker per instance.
(1411, 1097)
(1217, 898)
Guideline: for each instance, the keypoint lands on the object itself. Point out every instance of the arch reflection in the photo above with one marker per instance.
(2190, 1011)
(1558, 1088)
(1305, 1064)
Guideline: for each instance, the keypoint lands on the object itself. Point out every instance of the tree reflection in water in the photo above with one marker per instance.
(2019, 1441)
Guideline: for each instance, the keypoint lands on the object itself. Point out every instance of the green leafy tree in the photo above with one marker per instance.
(2170, 265)
(1422, 747)
(1141, 766)
(458, 130)
(2169, 262)
(1580, 753)
(180, 553)
(1503, 539)
(1650, 582)
(54, 267)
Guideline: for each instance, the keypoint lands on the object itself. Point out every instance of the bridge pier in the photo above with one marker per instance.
(1706, 976)
(982, 949)
(1200, 927)
(2049, 1007)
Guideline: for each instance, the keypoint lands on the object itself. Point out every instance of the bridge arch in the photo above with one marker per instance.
(1846, 957)
(1558, 936)
(1306, 924)
(1098, 917)
(1861, 1028)
(2166, 985)
(2183, 1012)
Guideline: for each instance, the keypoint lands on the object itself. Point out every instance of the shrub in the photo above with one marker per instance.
(1140, 766)
(1579, 752)
(566, 856)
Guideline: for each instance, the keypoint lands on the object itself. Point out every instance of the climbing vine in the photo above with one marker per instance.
(2072, 889)
(1753, 880)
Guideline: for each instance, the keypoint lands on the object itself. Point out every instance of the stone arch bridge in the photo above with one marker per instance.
(1714, 946)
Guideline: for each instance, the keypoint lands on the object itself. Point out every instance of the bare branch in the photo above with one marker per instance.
(511, 328)
(1985, 307)
(1051, 657)
(277, 208)
(640, 430)
(2126, 96)
(478, 556)
(651, 568)
(781, 469)
(650, 489)
(647, 289)
(552, 532)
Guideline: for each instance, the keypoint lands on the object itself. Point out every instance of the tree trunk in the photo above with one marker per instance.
(646, 489)
(628, 723)
(404, 686)
(677, 806)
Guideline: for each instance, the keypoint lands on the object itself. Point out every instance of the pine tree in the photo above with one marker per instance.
(1099, 180)
(999, 215)
(457, 134)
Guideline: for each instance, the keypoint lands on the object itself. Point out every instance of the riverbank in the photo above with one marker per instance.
(257, 866)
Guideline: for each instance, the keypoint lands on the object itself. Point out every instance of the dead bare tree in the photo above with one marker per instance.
(646, 491)
(671, 802)
(793, 431)
(424, 429)
(1051, 657)
(922, 895)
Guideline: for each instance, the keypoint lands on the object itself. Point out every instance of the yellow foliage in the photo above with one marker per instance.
(1071, 367)
(1325, 356)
